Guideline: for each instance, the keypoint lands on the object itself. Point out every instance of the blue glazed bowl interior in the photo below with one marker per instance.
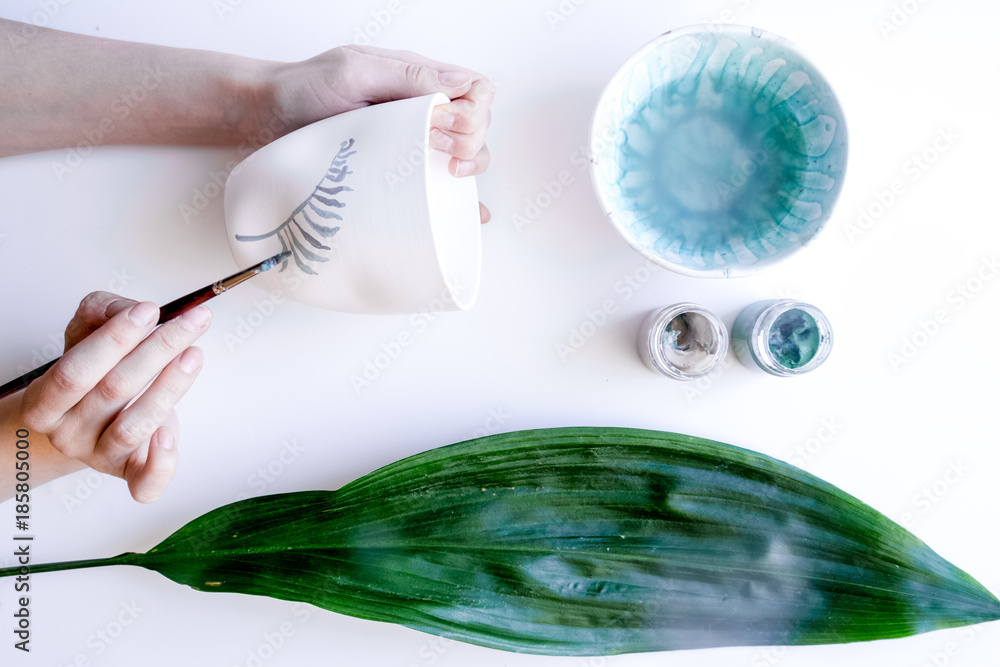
(718, 150)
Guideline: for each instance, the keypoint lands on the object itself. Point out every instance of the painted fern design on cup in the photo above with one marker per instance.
(317, 216)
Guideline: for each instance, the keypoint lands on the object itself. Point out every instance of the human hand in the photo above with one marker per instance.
(91, 405)
(351, 77)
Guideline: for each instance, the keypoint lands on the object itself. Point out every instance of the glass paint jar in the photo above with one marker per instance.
(782, 337)
(684, 341)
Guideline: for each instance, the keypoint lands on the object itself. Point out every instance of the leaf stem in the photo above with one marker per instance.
(128, 558)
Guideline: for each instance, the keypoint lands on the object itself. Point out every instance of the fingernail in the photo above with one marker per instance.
(441, 141)
(142, 314)
(443, 119)
(196, 319)
(116, 306)
(465, 168)
(190, 361)
(454, 79)
(165, 439)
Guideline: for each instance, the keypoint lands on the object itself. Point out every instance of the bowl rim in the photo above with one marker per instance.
(594, 140)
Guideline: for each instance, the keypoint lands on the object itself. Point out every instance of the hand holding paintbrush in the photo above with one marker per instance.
(166, 313)
(80, 411)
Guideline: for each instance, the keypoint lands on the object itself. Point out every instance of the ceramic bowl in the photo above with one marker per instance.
(718, 150)
(373, 219)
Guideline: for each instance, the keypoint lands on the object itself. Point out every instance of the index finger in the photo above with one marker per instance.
(482, 92)
(93, 312)
(51, 396)
(423, 61)
(469, 113)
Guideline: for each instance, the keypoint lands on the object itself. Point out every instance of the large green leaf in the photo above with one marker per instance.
(582, 541)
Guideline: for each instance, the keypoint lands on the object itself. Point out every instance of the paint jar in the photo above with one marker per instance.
(782, 337)
(683, 341)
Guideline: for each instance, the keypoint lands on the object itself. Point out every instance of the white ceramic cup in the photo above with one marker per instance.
(374, 220)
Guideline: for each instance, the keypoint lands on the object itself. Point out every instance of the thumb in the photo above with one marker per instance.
(399, 80)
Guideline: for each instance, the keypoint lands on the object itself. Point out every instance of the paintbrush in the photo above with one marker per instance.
(167, 312)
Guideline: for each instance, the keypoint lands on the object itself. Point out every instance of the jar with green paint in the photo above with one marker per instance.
(782, 337)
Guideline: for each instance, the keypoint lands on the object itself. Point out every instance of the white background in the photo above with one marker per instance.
(896, 430)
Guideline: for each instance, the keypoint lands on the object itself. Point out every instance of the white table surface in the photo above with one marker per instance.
(883, 433)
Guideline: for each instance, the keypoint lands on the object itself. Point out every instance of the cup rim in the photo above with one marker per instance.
(464, 299)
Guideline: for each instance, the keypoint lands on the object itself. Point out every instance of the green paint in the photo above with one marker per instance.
(697, 162)
(794, 338)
